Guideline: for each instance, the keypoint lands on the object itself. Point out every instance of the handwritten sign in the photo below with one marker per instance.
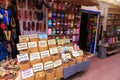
(42, 43)
(70, 48)
(23, 38)
(22, 57)
(81, 52)
(58, 63)
(51, 42)
(44, 54)
(53, 50)
(75, 53)
(31, 36)
(67, 41)
(59, 48)
(32, 44)
(27, 73)
(68, 56)
(38, 67)
(34, 56)
(22, 46)
(48, 65)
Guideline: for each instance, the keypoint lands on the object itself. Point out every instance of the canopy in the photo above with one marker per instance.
(83, 2)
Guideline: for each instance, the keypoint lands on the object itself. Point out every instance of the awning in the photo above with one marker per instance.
(83, 2)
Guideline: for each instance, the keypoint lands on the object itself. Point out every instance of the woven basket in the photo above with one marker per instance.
(40, 75)
(50, 74)
(59, 72)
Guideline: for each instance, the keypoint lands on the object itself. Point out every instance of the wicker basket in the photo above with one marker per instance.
(59, 72)
(25, 65)
(55, 57)
(50, 74)
(40, 75)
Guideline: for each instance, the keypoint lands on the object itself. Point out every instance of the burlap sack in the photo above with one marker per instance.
(59, 72)
(30, 78)
(72, 61)
(36, 61)
(40, 75)
(55, 57)
(79, 59)
(46, 59)
(50, 74)
(24, 65)
(44, 46)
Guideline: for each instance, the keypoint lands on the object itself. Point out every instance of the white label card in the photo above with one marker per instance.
(42, 43)
(27, 73)
(22, 46)
(53, 50)
(44, 54)
(34, 56)
(38, 67)
(60, 41)
(59, 48)
(70, 48)
(51, 42)
(67, 41)
(81, 52)
(23, 38)
(33, 36)
(22, 57)
(48, 65)
(58, 63)
(32, 44)
(68, 56)
(75, 53)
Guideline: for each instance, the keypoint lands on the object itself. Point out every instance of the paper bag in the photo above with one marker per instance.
(59, 72)
(79, 59)
(40, 75)
(46, 59)
(24, 65)
(55, 57)
(50, 74)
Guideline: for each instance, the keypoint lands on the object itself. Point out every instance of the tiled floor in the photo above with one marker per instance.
(101, 69)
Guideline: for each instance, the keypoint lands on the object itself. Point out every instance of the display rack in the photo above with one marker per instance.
(113, 31)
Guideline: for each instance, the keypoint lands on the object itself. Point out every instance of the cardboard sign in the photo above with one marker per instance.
(59, 48)
(42, 43)
(68, 56)
(48, 65)
(31, 36)
(58, 63)
(38, 67)
(53, 50)
(34, 56)
(22, 46)
(22, 57)
(32, 44)
(44, 54)
(60, 41)
(81, 52)
(51, 42)
(75, 53)
(67, 41)
(27, 73)
(70, 48)
(23, 38)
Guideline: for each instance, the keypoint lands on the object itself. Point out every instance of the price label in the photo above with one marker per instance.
(44, 54)
(38, 67)
(27, 73)
(48, 65)
(60, 41)
(58, 63)
(31, 36)
(22, 46)
(23, 38)
(34, 56)
(70, 48)
(68, 56)
(51, 42)
(32, 44)
(22, 57)
(53, 50)
(67, 41)
(42, 43)
(59, 48)
(81, 52)
(75, 53)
